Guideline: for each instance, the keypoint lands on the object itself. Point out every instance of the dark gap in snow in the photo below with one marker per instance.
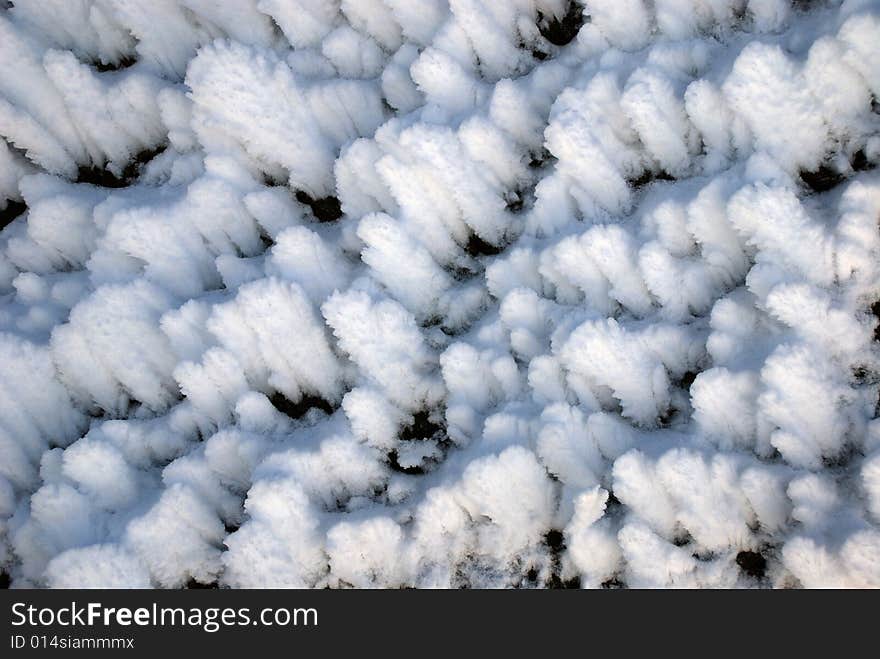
(540, 55)
(453, 331)
(612, 501)
(861, 374)
(192, 584)
(860, 162)
(265, 239)
(738, 12)
(276, 29)
(231, 528)
(388, 108)
(124, 63)
(613, 584)
(13, 210)
(826, 177)
(273, 181)
(561, 31)
(665, 419)
(421, 427)
(681, 539)
(648, 176)
(807, 5)
(542, 159)
(431, 321)
(461, 273)
(841, 459)
(875, 309)
(326, 209)
(555, 542)
(394, 463)
(688, 379)
(476, 246)
(752, 563)
(704, 556)
(822, 179)
(515, 202)
(4, 581)
(106, 179)
(299, 409)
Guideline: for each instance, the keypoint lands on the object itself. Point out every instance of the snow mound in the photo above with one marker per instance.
(451, 293)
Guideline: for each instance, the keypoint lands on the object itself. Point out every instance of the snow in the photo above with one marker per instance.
(381, 293)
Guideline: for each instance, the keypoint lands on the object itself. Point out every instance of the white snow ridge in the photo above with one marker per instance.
(440, 293)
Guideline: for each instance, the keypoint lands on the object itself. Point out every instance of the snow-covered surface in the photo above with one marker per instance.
(439, 293)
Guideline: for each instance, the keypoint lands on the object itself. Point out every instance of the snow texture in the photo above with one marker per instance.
(447, 293)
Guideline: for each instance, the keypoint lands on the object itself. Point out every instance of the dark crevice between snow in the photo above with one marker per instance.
(861, 374)
(542, 159)
(860, 162)
(687, 380)
(840, 460)
(555, 542)
(325, 209)
(875, 309)
(864, 375)
(124, 62)
(106, 179)
(192, 584)
(13, 210)
(613, 508)
(299, 409)
(421, 428)
(394, 463)
(277, 31)
(271, 181)
(822, 179)
(388, 108)
(826, 176)
(5, 581)
(515, 201)
(611, 504)
(561, 31)
(704, 556)
(752, 563)
(540, 55)
(649, 176)
(460, 272)
(476, 246)
(682, 538)
(665, 419)
(807, 5)
(266, 241)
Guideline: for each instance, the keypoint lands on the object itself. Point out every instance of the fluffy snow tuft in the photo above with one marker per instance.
(449, 293)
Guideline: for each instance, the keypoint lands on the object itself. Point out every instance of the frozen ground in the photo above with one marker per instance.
(439, 293)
